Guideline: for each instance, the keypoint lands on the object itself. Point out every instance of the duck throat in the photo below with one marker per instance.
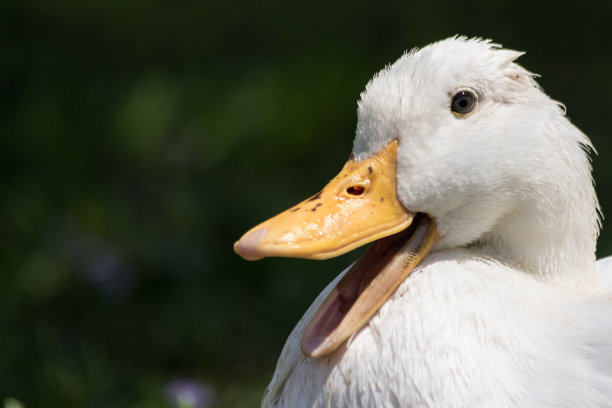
(555, 243)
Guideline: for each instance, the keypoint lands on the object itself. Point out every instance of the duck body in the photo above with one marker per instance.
(504, 307)
(462, 331)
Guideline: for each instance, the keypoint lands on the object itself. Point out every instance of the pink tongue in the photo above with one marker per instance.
(321, 331)
(328, 322)
(336, 306)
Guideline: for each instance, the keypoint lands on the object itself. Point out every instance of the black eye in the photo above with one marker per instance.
(463, 103)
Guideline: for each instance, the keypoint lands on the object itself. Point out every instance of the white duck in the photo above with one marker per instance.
(475, 184)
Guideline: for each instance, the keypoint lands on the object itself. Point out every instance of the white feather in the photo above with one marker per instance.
(510, 309)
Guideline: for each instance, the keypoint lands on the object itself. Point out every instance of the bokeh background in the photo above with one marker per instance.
(139, 139)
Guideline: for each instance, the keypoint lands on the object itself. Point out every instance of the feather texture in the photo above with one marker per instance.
(510, 309)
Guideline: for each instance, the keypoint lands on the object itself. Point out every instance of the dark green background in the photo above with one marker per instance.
(139, 139)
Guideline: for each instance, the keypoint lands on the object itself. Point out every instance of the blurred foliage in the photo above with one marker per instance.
(139, 139)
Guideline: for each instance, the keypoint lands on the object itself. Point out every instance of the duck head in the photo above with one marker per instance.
(456, 146)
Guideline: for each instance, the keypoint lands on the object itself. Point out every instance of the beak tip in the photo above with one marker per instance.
(309, 350)
(246, 246)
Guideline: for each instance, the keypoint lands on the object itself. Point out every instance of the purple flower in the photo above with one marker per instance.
(187, 393)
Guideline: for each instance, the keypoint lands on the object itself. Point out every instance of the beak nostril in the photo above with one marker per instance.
(355, 190)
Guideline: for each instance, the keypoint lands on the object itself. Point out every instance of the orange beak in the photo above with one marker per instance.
(358, 206)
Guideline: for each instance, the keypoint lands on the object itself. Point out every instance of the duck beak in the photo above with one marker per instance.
(358, 206)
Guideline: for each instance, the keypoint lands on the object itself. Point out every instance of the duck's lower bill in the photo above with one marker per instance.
(367, 285)
(357, 207)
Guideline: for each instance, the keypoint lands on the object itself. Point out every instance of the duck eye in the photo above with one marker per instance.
(463, 103)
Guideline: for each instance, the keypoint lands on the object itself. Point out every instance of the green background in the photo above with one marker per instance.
(140, 139)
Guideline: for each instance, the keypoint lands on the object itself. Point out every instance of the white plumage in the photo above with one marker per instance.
(507, 309)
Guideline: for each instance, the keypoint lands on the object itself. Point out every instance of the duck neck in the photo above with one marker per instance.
(551, 235)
